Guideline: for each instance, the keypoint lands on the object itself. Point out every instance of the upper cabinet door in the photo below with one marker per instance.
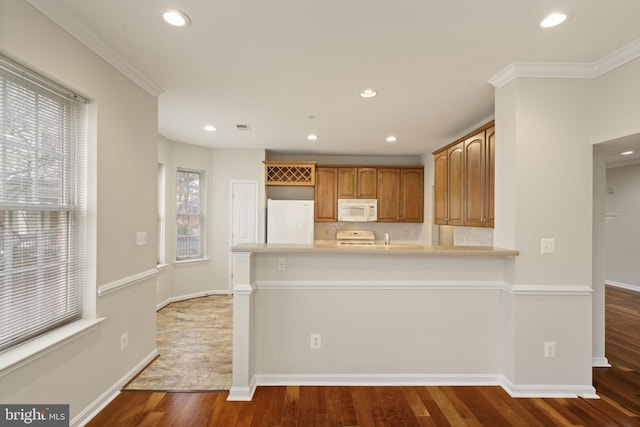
(367, 183)
(455, 181)
(325, 206)
(490, 176)
(440, 193)
(347, 183)
(388, 195)
(412, 195)
(474, 180)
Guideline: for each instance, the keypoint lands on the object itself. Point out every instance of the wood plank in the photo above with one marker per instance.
(334, 406)
(362, 408)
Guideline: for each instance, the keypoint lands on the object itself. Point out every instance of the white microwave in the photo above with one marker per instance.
(357, 210)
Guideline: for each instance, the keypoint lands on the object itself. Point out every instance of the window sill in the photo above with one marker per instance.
(30, 351)
(192, 261)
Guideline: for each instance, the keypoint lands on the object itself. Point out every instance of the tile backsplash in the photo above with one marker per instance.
(398, 232)
(472, 236)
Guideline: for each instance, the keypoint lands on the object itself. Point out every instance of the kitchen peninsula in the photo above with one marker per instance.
(398, 314)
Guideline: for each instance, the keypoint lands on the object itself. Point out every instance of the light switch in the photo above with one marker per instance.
(141, 238)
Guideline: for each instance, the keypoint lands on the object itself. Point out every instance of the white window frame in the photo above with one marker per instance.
(162, 191)
(190, 212)
(43, 143)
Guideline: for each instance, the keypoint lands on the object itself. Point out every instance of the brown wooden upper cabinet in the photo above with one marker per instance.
(357, 183)
(326, 191)
(490, 171)
(440, 187)
(400, 194)
(464, 180)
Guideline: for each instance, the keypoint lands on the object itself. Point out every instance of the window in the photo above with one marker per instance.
(41, 204)
(189, 218)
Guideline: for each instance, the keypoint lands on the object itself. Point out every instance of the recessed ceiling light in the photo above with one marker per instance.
(553, 19)
(368, 93)
(176, 18)
(626, 153)
(391, 138)
(210, 128)
(312, 137)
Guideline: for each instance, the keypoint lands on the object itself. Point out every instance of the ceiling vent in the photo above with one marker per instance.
(243, 127)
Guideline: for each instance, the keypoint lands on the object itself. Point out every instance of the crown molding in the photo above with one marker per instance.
(60, 16)
(568, 70)
(617, 58)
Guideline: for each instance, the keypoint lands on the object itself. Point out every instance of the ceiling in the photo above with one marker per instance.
(288, 68)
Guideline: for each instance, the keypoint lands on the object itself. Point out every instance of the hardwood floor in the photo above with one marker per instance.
(618, 387)
(621, 382)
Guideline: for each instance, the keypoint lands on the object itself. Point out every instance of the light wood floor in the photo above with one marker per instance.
(618, 387)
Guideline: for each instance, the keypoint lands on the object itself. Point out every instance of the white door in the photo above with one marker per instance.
(244, 212)
(244, 215)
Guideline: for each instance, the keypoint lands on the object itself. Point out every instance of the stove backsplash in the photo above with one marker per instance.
(398, 232)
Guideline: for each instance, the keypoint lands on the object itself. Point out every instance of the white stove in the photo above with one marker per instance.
(355, 237)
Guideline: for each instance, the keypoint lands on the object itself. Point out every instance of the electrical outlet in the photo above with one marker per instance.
(550, 349)
(282, 264)
(124, 341)
(316, 341)
(547, 246)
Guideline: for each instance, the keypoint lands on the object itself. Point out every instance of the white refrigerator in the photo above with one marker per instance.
(290, 221)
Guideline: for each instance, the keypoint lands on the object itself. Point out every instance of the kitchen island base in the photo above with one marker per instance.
(391, 319)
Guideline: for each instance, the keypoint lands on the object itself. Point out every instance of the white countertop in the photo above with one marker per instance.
(393, 249)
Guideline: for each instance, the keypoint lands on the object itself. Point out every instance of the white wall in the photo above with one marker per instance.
(188, 279)
(389, 315)
(622, 235)
(615, 103)
(543, 190)
(123, 149)
(551, 163)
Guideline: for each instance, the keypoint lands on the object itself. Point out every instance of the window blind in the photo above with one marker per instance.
(42, 176)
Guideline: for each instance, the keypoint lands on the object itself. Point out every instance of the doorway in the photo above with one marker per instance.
(606, 155)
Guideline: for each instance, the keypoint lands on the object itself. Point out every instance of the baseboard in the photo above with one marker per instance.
(243, 393)
(378, 379)
(623, 285)
(547, 390)
(111, 393)
(600, 362)
(529, 391)
(191, 296)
